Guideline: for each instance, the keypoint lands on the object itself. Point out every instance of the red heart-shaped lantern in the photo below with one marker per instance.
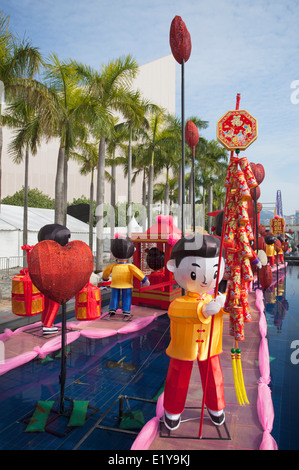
(191, 134)
(265, 276)
(255, 193)
(180, 40)
(60, 272)
(258, 171)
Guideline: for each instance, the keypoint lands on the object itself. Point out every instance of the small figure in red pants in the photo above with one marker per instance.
(194, 263)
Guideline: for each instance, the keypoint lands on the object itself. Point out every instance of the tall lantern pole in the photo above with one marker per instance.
(192, 138)
(180, 44)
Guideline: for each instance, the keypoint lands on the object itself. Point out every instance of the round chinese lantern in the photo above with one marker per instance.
(285, 246)
(277, 246)
(265, 276)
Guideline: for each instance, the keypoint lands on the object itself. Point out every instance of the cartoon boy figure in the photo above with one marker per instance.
(122, 274)
(194, 263)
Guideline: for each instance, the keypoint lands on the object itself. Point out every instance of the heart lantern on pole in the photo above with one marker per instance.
(59, 272)
(192, 138)
(180, 40)
(180, 44)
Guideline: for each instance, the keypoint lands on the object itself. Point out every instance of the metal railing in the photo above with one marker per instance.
(9, 265)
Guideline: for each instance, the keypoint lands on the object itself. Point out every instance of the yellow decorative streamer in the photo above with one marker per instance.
(238, 377)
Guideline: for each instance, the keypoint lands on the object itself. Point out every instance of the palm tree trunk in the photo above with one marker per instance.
(100, 205)
(65, 180)
(150, 192)
(91, 211)
(59, 187)
(210, 207)
(204, 205)
(144, 202)
(25, 215)
(112, 202)
(1, 146)
(166, 193)
(129, 213)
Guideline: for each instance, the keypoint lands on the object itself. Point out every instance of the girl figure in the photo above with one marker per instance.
(122, 274)
(194, 263)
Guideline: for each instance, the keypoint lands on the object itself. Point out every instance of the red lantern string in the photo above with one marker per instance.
(216, 292)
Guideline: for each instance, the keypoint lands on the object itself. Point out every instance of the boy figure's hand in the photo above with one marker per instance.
(213, 307)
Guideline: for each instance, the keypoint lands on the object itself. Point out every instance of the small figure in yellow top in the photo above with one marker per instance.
(194, 263)
(122, 274)
(270, 250)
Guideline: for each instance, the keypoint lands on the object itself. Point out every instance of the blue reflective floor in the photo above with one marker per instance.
(97, 370)
(136, 365)
(282, 313)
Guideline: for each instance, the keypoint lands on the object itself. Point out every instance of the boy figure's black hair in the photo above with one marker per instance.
(205, 246)
(122, 248)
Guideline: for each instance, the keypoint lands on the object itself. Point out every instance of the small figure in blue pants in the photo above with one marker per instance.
(122, 274)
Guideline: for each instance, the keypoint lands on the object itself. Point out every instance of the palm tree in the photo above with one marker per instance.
(19, 63)
(211, 164)
(109, 90)
(86, 154)
(27, 137)
(116, 140)
(69, 103)
(149, 148)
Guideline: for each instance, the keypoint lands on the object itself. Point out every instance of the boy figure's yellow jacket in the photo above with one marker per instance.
(190, 330)
(122, 275)
(270, 250)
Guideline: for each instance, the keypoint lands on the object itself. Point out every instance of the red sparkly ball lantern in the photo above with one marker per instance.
(180, 40)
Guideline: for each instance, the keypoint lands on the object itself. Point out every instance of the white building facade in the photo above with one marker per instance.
(156, 81)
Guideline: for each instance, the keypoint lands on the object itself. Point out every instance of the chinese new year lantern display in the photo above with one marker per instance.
(88, 303)
(60, 272)
(236, 130)
(60, 234)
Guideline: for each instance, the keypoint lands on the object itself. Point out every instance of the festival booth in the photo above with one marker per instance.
(152, 251)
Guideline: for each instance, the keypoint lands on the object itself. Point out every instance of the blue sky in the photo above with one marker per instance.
(250, 48)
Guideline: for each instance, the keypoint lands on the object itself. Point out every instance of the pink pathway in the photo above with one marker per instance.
(249, 426)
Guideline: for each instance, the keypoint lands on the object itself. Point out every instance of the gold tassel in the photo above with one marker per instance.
(236, 380)
(240, 377)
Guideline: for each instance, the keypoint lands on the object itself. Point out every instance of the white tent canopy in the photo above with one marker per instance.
(11, 228)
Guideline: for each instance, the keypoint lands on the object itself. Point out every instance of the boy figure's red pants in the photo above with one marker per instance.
(177, 384)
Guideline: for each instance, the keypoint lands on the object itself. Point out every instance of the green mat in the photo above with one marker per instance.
(39, 418)
(132, 420)
(78, 415)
